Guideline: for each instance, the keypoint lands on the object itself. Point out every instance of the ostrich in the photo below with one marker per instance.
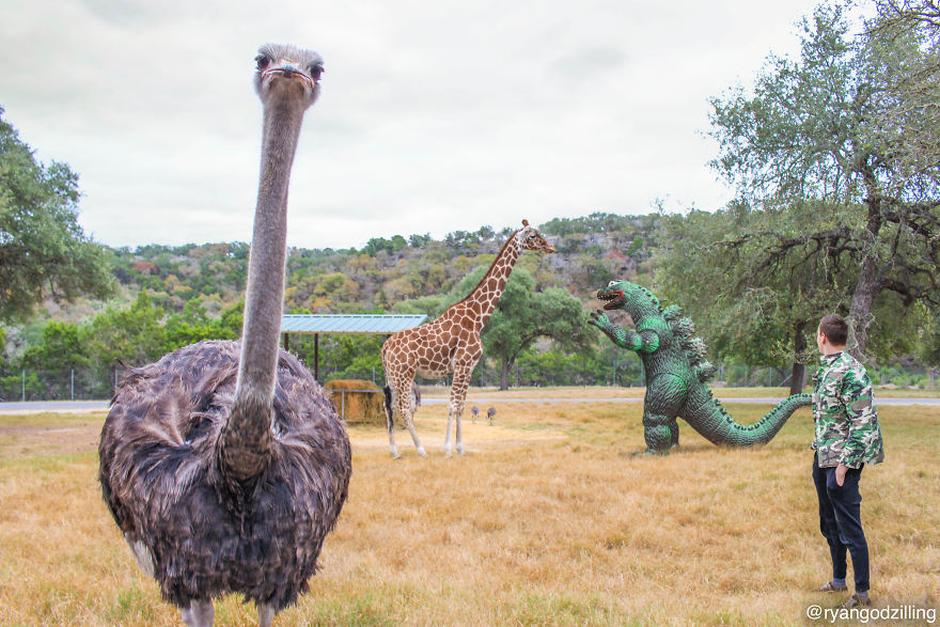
(224, 463)
(474, 411)
(490, 414)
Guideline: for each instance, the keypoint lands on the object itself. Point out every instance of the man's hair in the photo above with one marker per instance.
(835, 328)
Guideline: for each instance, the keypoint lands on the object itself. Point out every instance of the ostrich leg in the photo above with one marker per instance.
(265, 616)
(199, 614)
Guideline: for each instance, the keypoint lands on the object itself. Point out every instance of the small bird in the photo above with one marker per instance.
(490, 414)
(474, 411)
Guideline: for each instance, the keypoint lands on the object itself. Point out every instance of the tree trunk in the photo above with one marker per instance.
(798, 374)
(504, 375)
(866, 289)
(869, 278)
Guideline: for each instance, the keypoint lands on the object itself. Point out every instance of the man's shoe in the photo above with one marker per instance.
(831, 587)
(856, 601)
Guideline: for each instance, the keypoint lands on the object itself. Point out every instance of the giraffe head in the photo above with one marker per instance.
(528, 238)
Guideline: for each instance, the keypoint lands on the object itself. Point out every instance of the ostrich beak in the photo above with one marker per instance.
(287, 70)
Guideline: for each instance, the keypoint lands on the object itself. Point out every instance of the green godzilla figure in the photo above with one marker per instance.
(676, 371)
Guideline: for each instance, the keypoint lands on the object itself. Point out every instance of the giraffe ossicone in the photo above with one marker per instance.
(449, 344)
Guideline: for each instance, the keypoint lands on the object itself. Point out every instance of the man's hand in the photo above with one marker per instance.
(841, 469)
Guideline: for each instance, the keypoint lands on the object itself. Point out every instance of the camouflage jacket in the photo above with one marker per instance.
(847, 428)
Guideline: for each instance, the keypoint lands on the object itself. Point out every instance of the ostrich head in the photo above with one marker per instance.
(285, 71)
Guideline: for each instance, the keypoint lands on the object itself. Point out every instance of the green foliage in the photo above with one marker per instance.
(929, 345)
(749, 304)
(194, 325)
(419, 241)
(902, 47)
(598, 222)
(133, 336)
(582, 367)
(825, 131)
(343, 356)
(62, 347)
(431, 305)
(378, 244)
(43, 250)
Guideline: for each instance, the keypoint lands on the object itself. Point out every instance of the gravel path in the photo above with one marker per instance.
(77, 407)
(727, 401)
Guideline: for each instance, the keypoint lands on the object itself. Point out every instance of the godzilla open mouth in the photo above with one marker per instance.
(614, 300)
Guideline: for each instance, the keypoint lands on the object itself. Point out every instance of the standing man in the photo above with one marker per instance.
(847, 437)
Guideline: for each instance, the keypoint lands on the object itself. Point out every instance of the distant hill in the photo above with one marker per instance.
(394, 274)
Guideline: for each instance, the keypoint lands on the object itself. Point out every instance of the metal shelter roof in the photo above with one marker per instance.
(349, 323)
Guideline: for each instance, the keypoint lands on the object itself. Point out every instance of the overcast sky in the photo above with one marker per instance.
(434, 116)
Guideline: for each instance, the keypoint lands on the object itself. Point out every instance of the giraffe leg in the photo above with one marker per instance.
(410, 425)
(458, 395)
(450, 420)
(405, 404)
(390, 420)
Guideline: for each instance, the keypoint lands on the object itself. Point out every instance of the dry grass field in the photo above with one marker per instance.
(549, 519)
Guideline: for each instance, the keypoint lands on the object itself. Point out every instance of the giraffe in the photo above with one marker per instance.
(449, 344)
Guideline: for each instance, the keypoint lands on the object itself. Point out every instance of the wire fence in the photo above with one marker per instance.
(100, 383)
(72, 384)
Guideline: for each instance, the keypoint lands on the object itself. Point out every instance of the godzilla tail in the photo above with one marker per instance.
(718, 427)
(389, 422)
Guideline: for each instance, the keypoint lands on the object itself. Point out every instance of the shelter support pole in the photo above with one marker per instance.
(316, 356)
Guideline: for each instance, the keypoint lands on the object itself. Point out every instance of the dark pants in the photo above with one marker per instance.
(840, 521)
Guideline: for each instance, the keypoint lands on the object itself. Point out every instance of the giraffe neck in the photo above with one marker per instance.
(485, 295)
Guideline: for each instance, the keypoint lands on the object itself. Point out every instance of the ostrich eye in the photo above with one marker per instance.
(316, 70)
(262, 61)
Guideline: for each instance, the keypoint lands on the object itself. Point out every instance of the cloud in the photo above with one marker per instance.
(434, 116)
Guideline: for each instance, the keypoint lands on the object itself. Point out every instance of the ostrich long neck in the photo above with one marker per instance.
(246, 439)
(491, 286)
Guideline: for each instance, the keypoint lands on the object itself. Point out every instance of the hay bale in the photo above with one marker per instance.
(356, 405)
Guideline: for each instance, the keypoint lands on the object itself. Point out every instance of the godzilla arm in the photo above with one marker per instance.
(646, 341)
